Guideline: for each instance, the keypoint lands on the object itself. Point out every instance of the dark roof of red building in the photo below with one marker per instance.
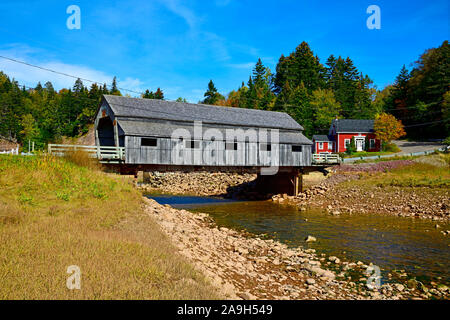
(320, 138)
(353, 125)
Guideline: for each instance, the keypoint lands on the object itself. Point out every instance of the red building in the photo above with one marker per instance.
(322, 144)
(342, 131)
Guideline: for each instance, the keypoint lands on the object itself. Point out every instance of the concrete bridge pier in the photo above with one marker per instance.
(290, 183)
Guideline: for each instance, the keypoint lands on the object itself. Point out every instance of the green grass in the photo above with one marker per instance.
(54, 213)
(366, 154)
(419, 174)
(416, 175)
(387, 159)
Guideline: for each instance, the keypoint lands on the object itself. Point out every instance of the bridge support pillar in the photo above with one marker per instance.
(290, 183)
(146, 177)
(298, 183)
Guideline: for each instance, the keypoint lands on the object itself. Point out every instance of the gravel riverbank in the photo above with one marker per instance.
(337, 195)
(242, 266)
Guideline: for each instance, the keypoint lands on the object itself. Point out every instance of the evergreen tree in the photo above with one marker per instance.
(49, 88)
(105, 89)
(95, 92)
(351, 88)
(400, 94)
(148, 95)
(114, 90)
(418, 97)
(212, 96)
(301, 66)
(296, 103)
(259, 94)
(78, 86)
(39, 87)
(259, 72)
(159, 94)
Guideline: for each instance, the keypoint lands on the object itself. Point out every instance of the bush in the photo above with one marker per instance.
(351, 148)
(390, 147)
(446, 141)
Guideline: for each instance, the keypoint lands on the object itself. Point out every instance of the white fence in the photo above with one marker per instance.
(12, 151)
(101, 153)
(325, 158)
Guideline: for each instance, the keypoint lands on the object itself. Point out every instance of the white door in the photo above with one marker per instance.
(359, 144)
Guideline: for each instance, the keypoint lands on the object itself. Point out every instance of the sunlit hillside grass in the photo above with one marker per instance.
(431, 171)
(54, 213)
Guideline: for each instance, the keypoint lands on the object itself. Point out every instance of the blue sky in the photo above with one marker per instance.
(180, 45)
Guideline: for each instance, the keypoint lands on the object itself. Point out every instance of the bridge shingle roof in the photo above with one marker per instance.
(180, 111)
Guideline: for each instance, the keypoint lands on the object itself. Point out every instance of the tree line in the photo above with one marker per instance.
(314, 93)
(42, 114)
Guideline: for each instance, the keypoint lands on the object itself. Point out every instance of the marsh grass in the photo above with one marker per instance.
(82, 158)
(55, 213)
(419, 174)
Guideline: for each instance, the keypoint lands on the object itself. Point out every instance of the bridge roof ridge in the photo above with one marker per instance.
(171, 110)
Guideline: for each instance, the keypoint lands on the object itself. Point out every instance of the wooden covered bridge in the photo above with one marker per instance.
(155, 135)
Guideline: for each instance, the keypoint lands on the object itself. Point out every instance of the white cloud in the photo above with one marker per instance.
(247, 65)
(180, 10)
(30, 76)
(132, 84)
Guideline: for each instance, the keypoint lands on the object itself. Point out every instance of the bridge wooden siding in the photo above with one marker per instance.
(118, 155)
(134, 135)
(288, 179)
(214, 153)
(129, 122)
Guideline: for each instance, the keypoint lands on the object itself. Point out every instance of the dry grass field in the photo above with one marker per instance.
(55, 213)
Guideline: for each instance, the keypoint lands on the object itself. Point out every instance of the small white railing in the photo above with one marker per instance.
(101, 153)
(11, 151)
(325, 158)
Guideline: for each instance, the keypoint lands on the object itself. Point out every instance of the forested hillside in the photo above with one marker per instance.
(42, 114)
(311, 92)
(315, 93)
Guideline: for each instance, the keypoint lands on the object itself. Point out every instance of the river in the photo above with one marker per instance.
(390, 242)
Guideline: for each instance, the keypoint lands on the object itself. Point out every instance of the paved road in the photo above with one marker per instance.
(415, 146)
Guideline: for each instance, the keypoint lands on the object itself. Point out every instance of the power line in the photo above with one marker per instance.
(208, 119)
(427, 123)
(240, 98)
(168, 113)
(64, 74)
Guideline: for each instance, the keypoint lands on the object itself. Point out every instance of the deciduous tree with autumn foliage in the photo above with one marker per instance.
(388, 128)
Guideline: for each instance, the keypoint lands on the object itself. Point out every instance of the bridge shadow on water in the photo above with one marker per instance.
(249, 191)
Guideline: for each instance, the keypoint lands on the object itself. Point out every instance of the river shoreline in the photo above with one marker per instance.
(244, 266)
(336, 195)
(341, 191)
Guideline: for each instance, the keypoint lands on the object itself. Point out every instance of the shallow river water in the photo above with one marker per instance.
(392, 243)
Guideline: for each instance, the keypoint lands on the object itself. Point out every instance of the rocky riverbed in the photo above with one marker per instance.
(243, 266)
(333, 195)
